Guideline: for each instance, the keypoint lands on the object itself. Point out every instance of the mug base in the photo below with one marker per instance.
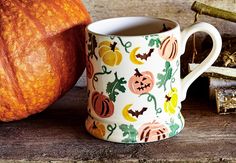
(153, 131)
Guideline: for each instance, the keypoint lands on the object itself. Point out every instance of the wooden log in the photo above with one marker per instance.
(219, 77)
(218, 83)
(216, 71)
(214, 12)
(226, 100)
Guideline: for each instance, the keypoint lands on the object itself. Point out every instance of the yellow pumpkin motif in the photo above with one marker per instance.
(109, 53)
(171, 101)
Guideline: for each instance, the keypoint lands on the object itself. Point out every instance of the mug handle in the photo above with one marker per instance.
(206, 63)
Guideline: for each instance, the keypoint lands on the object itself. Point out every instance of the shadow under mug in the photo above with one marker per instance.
(133, 77)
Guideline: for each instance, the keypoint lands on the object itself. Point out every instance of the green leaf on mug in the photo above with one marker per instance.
(151, 42)
(154, 41)
(165, 76)
(174, 127)
(115, 86)
(130, 131)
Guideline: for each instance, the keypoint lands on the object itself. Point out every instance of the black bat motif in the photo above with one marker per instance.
(145, 55)
(137, 113)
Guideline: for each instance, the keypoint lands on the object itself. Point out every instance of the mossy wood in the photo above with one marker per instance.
(204, 9)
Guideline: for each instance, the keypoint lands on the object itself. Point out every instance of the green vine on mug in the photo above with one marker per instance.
(181, 119)
(167, 75)
(111, 129)
(151, 98)
(126, 45)
(172, 80)
(104, 71)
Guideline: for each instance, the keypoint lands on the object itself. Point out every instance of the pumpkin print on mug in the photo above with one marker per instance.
(153, 131)
(134, 77)
(89, 69)
(102, 105)
(109, 53)
(96, 128)
(171, 101)
(169, 48)
(141, 82)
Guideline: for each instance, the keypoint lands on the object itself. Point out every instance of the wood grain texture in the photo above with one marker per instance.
(178, 10)
(58, 134)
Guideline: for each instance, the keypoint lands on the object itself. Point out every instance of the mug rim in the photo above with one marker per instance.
(132, 17)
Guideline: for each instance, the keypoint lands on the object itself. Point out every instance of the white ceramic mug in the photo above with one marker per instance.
(133, 77)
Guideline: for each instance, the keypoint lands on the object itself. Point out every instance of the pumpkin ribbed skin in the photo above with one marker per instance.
(41, 53)
(102, 105)
(169, 48)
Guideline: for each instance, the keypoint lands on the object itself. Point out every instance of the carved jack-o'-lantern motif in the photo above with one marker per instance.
(102, 105)
(141, 83)
(169, 48)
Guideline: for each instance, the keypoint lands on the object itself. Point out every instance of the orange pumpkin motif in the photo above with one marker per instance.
(109, 53)
(96, 128)
(153, 131)
(41, 53)
(102, 105)
(141, 83)
(89, 69)
(169, 48)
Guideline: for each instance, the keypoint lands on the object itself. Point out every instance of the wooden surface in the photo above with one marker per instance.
(178, 10)
(58, 134)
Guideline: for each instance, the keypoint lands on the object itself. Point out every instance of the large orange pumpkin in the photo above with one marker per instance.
(41, 53)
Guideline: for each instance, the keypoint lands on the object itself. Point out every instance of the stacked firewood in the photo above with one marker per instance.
(222, 75)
